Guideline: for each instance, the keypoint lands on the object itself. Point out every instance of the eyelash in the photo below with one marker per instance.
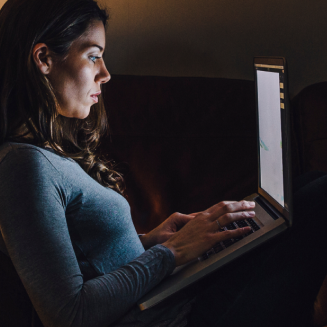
(94, 58)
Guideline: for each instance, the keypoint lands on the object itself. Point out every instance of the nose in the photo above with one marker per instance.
(104, 76)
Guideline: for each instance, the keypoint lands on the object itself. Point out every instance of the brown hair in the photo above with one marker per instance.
(28, 106)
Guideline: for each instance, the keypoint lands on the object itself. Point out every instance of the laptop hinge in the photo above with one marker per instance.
(267, 208)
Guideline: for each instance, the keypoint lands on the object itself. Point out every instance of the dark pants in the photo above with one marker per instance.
(276, 284)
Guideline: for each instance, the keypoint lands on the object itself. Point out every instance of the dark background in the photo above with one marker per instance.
(210, 38)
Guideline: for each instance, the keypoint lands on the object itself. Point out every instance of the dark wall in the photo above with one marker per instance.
(217, 38)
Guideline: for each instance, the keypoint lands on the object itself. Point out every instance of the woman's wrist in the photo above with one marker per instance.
(146, 241)
(172, 249)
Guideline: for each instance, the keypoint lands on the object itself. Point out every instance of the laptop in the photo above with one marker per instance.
(274, 196)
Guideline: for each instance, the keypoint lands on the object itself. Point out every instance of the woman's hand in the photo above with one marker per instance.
(202, 232)
(166, 230)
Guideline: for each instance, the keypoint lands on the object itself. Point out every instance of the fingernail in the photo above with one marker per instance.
(251, 213)
(251, 204)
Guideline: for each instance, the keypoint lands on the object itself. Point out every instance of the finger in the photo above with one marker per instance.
(235, 233)
(234, 216)
(218, 205)
(182, 220)
(240, 206)
(195, 213)
(229, 207)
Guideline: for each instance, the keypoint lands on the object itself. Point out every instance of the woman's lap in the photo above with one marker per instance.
(276, 284)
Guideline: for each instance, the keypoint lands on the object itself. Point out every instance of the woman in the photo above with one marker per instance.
(64, 224)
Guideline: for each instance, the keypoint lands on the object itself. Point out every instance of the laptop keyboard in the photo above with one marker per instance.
(225, 244)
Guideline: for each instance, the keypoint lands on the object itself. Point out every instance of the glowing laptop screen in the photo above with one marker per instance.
(270, 134)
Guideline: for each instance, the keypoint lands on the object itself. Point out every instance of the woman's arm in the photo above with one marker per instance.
(33, 199)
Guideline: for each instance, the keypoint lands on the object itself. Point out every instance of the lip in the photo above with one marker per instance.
(95, 96)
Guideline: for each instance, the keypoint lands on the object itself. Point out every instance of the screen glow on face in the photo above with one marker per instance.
(270, 134)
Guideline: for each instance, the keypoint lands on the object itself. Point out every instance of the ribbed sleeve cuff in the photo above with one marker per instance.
(169, 254)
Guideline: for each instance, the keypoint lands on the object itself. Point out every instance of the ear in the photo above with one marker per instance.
(42, 58)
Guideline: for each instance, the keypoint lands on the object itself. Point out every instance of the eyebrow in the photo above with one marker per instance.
(97, 46)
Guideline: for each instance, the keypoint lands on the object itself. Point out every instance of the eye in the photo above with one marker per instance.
(94, 58)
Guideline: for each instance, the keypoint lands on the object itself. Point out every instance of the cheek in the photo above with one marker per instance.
(81, 82)
(73, 83)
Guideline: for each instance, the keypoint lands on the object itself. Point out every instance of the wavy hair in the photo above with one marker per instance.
(28, 106)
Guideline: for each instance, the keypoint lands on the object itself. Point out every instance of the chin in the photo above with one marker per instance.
(78, 114)
(79, 110)
(83, 116)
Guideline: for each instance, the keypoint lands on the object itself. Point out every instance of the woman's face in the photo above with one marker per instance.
(76, 80)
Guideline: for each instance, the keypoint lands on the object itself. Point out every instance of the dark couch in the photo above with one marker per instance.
(183, 145)
(187, 143)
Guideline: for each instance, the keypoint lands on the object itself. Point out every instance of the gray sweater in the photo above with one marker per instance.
(72, 241)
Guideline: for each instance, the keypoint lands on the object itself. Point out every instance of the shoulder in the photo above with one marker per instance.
(18, 154)
(27, 170)
(19, 161)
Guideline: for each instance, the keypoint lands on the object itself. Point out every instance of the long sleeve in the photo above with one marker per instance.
(33, 205)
